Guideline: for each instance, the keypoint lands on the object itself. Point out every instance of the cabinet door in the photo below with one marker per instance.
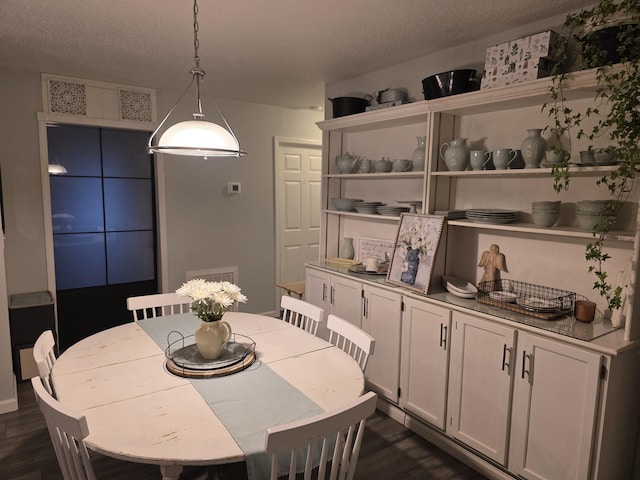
(480, 383)
(346, 299)
(317, 286)
(425, 360)
(554, 409)
(317, 291)
(381, 319)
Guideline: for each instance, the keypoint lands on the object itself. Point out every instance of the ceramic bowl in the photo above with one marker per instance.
(592, 207)
(545, 219)
(546, 203)
(586, 156)
(603, 155)
(344, 204)
(587, 222)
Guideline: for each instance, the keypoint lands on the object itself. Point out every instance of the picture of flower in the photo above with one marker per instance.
(210, 300)
(415, 250)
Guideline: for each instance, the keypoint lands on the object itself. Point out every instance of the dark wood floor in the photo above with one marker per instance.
(389, 452)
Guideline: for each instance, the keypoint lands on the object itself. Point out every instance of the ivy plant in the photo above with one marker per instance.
(614, 114)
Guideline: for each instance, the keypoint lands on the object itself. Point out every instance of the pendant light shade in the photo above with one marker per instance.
(197, 137)
(56, 169)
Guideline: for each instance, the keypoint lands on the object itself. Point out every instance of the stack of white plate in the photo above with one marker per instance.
(459, 287)
(452, 214)
(367, 207)
(391, 211)
(492, 215)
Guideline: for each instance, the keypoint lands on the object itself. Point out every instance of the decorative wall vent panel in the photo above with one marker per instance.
(135, 105)
(125, 106)
(222, 274)
(67, 97)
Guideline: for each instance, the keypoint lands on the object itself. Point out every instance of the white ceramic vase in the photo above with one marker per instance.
(533, 148)
(211, 337)
(347, 248)
(417, 158)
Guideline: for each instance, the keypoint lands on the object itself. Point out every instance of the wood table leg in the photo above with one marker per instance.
(170, 472)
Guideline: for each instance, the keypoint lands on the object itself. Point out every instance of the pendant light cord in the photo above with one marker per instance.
(196, 27)
(226, 150)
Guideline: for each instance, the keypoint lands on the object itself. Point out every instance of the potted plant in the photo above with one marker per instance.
(608, 40)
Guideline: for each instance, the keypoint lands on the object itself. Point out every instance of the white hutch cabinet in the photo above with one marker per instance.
(554, 409)
(480, 384)
(513, 395)
(426, 336)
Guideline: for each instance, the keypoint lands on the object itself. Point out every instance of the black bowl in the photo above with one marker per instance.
(449, 83)
(604, 45)
(343, 106)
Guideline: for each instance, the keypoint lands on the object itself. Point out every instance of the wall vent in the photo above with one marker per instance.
(221, 274)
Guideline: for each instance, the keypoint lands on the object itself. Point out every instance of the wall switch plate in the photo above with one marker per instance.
(233, 187)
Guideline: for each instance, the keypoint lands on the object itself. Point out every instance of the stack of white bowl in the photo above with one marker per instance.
(545, 213)
(591, 212)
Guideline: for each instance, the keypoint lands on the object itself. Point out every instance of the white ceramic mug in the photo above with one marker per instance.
(479, 159)
(503, 157)
(371, 264)
(401, 165)
(553, 156)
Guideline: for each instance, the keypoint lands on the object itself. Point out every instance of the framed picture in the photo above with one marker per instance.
(415, 251)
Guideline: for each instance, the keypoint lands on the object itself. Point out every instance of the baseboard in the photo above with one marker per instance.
(391, 410)
(10, 404)
(443, 442)
(440, 440)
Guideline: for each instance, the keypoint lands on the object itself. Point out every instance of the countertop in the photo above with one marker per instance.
(566, 326)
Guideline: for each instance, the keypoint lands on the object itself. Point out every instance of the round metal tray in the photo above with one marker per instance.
(186, 361)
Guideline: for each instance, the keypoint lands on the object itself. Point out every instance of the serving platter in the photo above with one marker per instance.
(382, 270)
(538, 304)
(459, 287)
(238, 354)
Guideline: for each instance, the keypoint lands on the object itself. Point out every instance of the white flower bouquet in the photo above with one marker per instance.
(210, 300)
(421, 236)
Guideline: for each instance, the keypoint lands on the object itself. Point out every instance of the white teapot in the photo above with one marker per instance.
(347, 163)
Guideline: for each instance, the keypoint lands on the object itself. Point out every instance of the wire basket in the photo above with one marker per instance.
(537, 300)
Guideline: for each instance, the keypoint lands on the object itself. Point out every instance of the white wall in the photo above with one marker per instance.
(410, 74)
(206, 227)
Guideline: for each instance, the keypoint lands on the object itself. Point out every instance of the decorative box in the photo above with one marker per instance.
(540, 45)
(516, 72)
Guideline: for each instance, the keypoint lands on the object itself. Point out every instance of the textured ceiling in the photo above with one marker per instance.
(278, 52)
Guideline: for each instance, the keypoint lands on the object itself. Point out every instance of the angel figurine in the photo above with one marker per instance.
(493, 261)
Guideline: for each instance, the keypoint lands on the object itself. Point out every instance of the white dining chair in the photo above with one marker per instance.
(339, 433)
(158, 305)
(301, 314)
(45, 356)
(351, 339)
(67, 431)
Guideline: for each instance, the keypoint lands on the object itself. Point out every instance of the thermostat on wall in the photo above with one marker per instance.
(233, 187)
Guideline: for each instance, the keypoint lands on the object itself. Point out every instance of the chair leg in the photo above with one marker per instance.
(199, 473)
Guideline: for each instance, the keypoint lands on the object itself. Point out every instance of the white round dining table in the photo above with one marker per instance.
(138, 411)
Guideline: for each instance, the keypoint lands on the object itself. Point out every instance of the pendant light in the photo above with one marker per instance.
(56, 169)
(196, 137)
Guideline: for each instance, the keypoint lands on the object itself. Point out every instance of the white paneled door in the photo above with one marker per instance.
(298, 169)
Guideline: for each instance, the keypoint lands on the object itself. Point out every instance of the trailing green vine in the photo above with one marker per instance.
(615, 109)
